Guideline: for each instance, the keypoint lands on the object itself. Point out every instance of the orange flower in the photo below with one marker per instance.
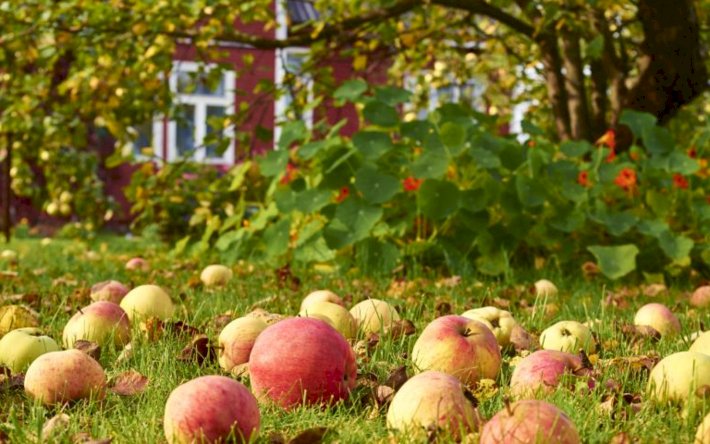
(343, 194)
(611, 156)
(412, 183)
(583, 178)
(532, 143)
(608, 139)
(679, 181)
(626, 178)
(692, 152)
(291, 171)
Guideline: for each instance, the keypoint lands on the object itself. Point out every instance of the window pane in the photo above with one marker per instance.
(185, 131)
(200, 83)
(214, 113)
(144, 140)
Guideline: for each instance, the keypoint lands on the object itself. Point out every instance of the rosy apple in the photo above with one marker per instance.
(658, 317)
(530, 421)
(568, 336)
(374, 315)
(701, 297)
(321, 296)
(432, 399)
(676, 377)
(702, 436)
(211, 409)
(63, 376)
(336, 315)
(147, 301)
(500, 322)
(102, 322)
(19, 347)
(302, 360)
(137, 264)
(216, 275)
(16, 316)
(112, 291)
(459, 346)
(701, 344)
(540, 372)
(237, 339)
(545, 288)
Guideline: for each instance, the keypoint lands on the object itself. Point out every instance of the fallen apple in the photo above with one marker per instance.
(302, 360)
(540, 372)
(374, 316)
(500, 322)
(701, 344)
(321, 296)
(545, 288)
(9, 256)
(63, 376)
(530, 421)
(216, 275)
(137, 264)
(459, 346)
(18, 348)
(701, 297)
(211, 409)
(112, 291)
(676, 377)
(336, 315)
(13, 317)
(237, 339)
(147, 301)
(702, 436)
(102, 322)
(568, 336)
(658, 317)
(432, 400)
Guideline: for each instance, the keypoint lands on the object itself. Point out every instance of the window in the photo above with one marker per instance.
(292, 81)
(204, 99)
(149, 140)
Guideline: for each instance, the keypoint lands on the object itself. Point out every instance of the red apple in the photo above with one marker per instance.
(701, 297)
(100, 322)
(659, 317)
(112, 291)
(137, 263)
(541, 371)
(211, 409)
(530, 421)
(301, 360)
(62, 376)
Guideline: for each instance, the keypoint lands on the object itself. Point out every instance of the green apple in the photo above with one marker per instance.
(101, 322)
(321, 295)
(336, 315)
(237, 339)
(568, 336)
(216, 275)
(500, 322)
(16, 316)
(658, 317)
(676, 377)
(701, 344)
(146, 301)
(20, 347)
(374, 315)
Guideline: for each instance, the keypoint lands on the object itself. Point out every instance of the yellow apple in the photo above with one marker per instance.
(63, 376)
(237, 339)
(374, 315)
(146, 301)
(500, 322)
(336, 315)
(676, 377)
(568, 336)
(545, 288)
(216, 275)
(702, 436)
(321, 295)
(658, 317)
(701, 344)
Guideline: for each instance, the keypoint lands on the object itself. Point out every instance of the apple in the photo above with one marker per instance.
(63, 376)
(545, 288)
(432, 399)
(658, 317)
(676, 377)
(374, 315)
(321, 296)
(16, 316)
(137, 264)
(20, 347)
(216, 275)
(701, 297)
(237, 339)
(9, 256)
(702, 436)
(102, 322)
(530, 421)
(112, 291)
(701, 344)
(500, 322)
(568, 336)
(540, 372)
(336, 315)
(147, 301)
(211, 409)
(302, 360)
(459, 346)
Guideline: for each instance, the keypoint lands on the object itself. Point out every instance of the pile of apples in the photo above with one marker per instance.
(309, 359)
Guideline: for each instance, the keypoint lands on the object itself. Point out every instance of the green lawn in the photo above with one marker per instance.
(59, 274)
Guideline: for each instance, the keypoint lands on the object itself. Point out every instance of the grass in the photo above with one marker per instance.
(61, 271)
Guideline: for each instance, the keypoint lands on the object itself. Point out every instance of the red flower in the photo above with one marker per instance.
(611, 156)
(626, 178)
(532, 143)
(291, 171)
(692, 152)
(343, 194)
(583, 178)
(412, 183)
(608, 139)
(679, 181)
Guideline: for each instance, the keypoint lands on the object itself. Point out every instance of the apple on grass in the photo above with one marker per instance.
(701, 297)
(530, 421)
(568, 336)
(237, 339)
(112, 291)
(321, 296)
(16, 316)
(20, 347)
(545, 288)
(137, 264)
(146, 301)
(702, 436)
(374, 315)
(459, 346)
(101, 322)
(432, 399)
(211, 409)
(701, 344)
(336, 315)
(501, 322)
(658, 317)
(540, 372)
(677, 377)
(216, 275)
(302, 360)
(64, 376)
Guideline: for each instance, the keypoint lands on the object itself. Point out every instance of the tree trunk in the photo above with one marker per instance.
(574, 85)
(556, 92)
(7, 188)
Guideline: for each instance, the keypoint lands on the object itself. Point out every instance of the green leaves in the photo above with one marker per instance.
(353, 221)
(273, 163)
(381, 114)
(372, 144)
(438, 198)
(376, 187)
(350, 90)
(617, 261)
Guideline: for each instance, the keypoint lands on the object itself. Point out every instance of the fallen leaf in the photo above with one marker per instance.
(654, 290)
(402, 327)
(276, 438)
(621, 438)
(442, 309)
(521, 339)
(397, 378)
(449, 282)
(199, 349)
(86, 438)
(703, 392)
(14, 382)
(240, 371)
(126, 353)
(54, 425)
(309, 436)
(221, 321)
(384, 394)
(640, 332)
(155, 327)
(90, 348)
(129, 383)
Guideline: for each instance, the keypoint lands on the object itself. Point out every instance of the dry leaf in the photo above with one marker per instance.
(590, 269)
(276, 438)
(90, 348)
(703, 392)
(155, 327)
(521, 339)
(384, 394)
(654, 290)
(200, 350)
(309, 436)
(86, 438)
(621, 438)
(449, 282)
(640, 332)
(240, 371)
(221, 321)
(56, 424)
(402, 327)
(126, 353)
(397, 378)
(129, 383)
(442, 308)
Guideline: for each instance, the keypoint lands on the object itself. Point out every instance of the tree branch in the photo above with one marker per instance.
(483, 8)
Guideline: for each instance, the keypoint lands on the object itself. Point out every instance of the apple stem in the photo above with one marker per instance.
(506, 402)
(467, 332)
(586, 363)
(79, 309)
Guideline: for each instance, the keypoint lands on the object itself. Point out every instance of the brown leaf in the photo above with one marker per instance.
(55, 425)
(8, 275)
(199, 349)
(155, 328)
(86, 438)
(240, 371)
(521, 339)
(4, 371)
(129, 383)
(221, 321)
(641, 332)
(402, 327)
(653, 290)
(309, 436)
(501, 303)
(384, 394)
(68, 281)
(703, 392)
(194, 282)
(31, 299)
(442, 309)
(621, 438)
(126, 353)
(631, 363)
(14, 382)
(276, 438)
(397, 378)
(449, 282)
(90, 348)
(590, 269)
(286, 278)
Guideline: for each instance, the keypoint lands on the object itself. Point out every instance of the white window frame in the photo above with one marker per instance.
(156, 143)
(281, 104)
(201, 102)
